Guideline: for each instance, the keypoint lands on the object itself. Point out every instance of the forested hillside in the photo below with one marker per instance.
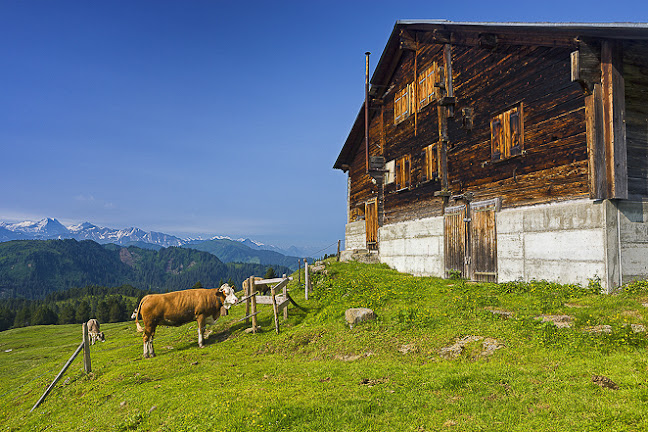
(234, 251)
(73, 306)
(33, 268)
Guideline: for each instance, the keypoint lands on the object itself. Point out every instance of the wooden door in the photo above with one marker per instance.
(471, 240)
(456, 240)
(483, 237)
(371, 224)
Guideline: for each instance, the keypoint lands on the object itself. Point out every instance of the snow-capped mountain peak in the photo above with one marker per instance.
(50, 228)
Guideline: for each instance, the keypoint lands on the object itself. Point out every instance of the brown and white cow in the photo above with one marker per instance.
(180, 307)
(94, 332)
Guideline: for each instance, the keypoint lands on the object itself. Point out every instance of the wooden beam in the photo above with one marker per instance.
(596, 143)
(488, 40)
(449, 99)
(271, 281)
(586, 65)
(407, 42)
(613, 87)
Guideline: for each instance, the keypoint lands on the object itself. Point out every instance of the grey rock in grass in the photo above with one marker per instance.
(603, 328)
(354, 316)
(489, 346)
(560, 321)
(501, 313)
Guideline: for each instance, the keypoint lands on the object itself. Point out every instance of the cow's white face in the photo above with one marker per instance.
(230, 297)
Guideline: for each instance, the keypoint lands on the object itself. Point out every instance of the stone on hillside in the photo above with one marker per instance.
(638, 328)
(560, 321)
(603, 328)
(317, 268)
(489, 346)
(500, 312)
(358, 315)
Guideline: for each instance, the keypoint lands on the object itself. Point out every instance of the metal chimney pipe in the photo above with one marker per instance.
(367, 54)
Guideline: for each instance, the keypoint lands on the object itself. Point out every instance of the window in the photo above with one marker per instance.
(403, 171)
(507, 133)
(403, 103)
(428, 80)
(430, 164)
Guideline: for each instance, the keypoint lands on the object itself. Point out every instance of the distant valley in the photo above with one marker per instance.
(33, 269)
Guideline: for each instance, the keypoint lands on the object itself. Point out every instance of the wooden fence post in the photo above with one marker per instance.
(248, 291)
(87, 366)
(285, 296)
(253, 304)
(275, 310)
(338, 251)
(306, 281)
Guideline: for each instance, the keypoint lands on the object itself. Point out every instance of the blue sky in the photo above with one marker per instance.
(202, 117)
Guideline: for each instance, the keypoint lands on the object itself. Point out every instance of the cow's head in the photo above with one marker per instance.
(230, 297)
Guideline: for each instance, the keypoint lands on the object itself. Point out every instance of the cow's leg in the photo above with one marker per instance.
(149, 332)
(201, 329)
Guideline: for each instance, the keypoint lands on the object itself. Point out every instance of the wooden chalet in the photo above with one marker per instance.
(504, 151)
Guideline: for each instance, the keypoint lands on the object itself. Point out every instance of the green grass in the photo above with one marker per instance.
(318, 374)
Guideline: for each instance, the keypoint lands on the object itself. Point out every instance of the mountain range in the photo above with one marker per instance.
(52, 229)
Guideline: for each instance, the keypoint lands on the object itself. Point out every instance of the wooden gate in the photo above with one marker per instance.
(471, 240)
(371, 224)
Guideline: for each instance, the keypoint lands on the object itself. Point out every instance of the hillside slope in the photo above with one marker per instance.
(234, 251)
(35, 268)
(401, 372)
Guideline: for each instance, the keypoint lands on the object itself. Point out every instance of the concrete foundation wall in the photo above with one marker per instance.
(561, 242)
(566, 242)
(355, 236)
(414, 247)
(633, 230)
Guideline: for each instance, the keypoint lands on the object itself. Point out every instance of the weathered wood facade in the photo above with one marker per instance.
(474, 119)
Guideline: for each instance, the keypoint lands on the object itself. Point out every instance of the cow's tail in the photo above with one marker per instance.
(138, 315)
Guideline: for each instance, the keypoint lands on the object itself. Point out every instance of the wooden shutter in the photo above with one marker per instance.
(497, 138)
(424, 168)
(516, 122)
(398, 174)
(407, 171)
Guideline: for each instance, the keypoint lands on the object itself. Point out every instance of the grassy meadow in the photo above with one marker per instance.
(391, 374)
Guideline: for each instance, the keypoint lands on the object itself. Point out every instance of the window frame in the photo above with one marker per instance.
(430, 167)
(507, 133)
(428, 90)
(403, 172)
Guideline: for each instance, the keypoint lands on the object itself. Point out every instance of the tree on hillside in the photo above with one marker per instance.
(197, 285)
(103, 311)
(117, 309)
(270, 274)
(44, 315)
(23, 317)
(83, 312)
(67, 314)
(7, 317)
